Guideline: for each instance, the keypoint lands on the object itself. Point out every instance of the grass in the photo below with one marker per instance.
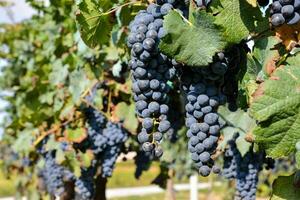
(7, 186)
(124, 177)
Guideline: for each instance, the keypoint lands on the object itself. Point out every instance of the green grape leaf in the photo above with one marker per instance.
(239, 19)
(126, 113)
(73, 162)
(23, 143)
(265, 55)
(126, 13)
(98, 99)
(284, 189)
(62, 70)
(85, 158)
(297, 157)
(67, 111)
(59, 156)
(277, 110)
(237, 122)
(79, 82)
(95, 23)
(238, 119)
(242, 145)
(75, 135)
(192, 44)
(52, 144)
(260, 63)
(47, 97)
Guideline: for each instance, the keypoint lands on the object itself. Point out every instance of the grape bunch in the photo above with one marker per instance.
(201, 86)
(203, 123)
(84, 185)
(285, 11)
(247, 176)
(105, 139)
(96, 122)
(151, 73)
(116, 136)
(231, 159)
(54, 176)
(142, 161)
(244, 169)
(204, 128)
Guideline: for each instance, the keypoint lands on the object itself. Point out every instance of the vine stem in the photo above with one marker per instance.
(108, 113)
(283, 59)
(184, 19)
(257, 35)
(114, 9)
(88, 92)
(45, 134)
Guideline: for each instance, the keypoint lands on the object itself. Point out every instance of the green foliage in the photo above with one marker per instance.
(96, 21)
(50, 71)
(237, 122)
(238, 19)
(277, 111)
(126, 113)
(297, 158)
(193, 43)
(265, 55)
(56, 59)
(284, 189)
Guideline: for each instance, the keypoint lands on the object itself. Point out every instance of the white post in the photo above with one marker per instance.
(194, 187)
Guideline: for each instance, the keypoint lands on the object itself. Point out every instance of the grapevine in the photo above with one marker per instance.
(184, 86)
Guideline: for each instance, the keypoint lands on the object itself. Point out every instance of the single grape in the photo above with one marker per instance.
(166, 8)
(287, 11)
(157, 136)
(276, 7)
(277, 19)
(143, 137)
(158, 152)
(211, 118)
(204, 170)
(147, 146)
(294, 20)
(204, 157)
(203, 99)
(148, 124)
(164, 126)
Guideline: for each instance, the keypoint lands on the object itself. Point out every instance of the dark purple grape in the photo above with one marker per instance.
(137, 48)
(151, 34)
(211, 118)
(294, 20)
(166, 8)
(143, 137)
(157, 136)
(164, 126)
(276, 7)
(147, 146)
(287, 11)
(158, 152)
(204, 170)
(277, 19)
